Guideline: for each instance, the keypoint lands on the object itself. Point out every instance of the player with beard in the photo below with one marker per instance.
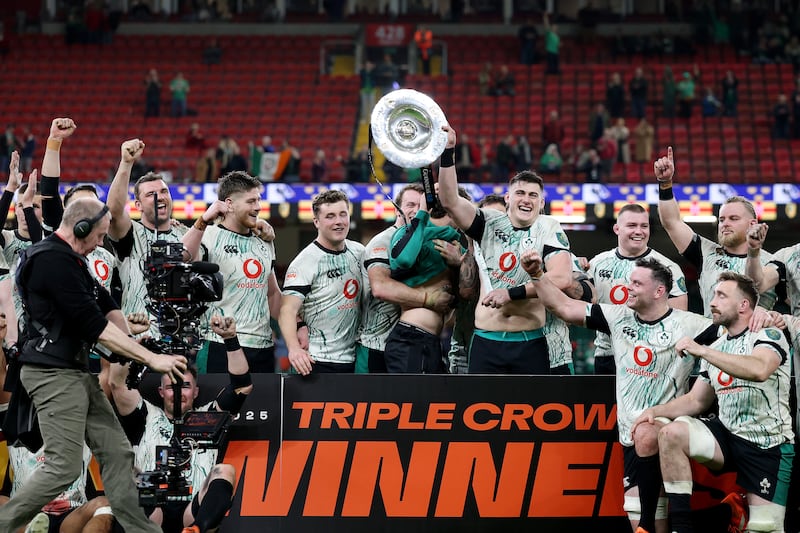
(131, 239)
(748, 374)
(643, 335)
(736, 216)
(323, 287)
(417, 260)
(508, 318)
(611, 272)
(247, 263)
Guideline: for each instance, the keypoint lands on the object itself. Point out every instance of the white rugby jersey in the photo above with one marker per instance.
(556, 332)
(755, 411)
(790, 258)
(131, 270)
(611, 273)
(329, 284)
(23, 463)
(158, 432)
(502, 245)
(710, 260)
(649, 370)
(246, 263)
(378, 316)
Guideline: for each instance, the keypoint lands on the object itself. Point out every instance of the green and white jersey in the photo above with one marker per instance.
(13, 244)
(793, 329)
(463, 328)
(246, 264)
(502, 244)
(131, 269)
(378, 316)
(790, 258)
(756, 412)
(611, 273)
(329, 284)
(711, 259)
(23, 463)
(101, 264)
(649, 371)
(158, 432)
(556, 331)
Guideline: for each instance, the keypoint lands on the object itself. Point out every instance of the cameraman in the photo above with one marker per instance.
(67, 312)
(148, 426)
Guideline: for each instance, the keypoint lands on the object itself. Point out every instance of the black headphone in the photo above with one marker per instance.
(83, 227)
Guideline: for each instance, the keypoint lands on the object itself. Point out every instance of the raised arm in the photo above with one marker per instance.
(680, 233)
(460, 209)
(194, 236)
(764, 276)
(118, 192)
(52, 208)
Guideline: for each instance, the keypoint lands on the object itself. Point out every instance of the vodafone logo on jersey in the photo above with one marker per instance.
(642, 355)
(724, 379)
(252, 268)
(618, 294)
(101, 269)
(507, 261)
(350, 289)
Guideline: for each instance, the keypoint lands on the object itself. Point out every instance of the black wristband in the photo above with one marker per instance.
(517, 293)
(665, 193)
(232, 344)
(240, 381)
(448, 158)
(301, 324)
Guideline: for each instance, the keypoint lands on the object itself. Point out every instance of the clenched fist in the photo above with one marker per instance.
(132, 150)
(61, 128)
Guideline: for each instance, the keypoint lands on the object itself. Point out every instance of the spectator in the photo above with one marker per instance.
(503, 83)
(599, 120)
(644, 134)
(28, 148)
(710, 105)
(615, 96)
(686, 95)
(179, 87)
(670, 92)
(152, 94)
(504, 158)
(392, 172)
(523, 154)
(552, 43)
(386, 75)
(195, 140)
(8, 144)
(551, 161)
(622, 135)
(423, 39)
(608, 151)
(226, 148)
(358, 169)
(467, 156)
(485, 79)
(553, 130)
(528, 35)
(319, 167)
(592, 167)
(236, 163)
(367, 90)
(206, 168)
(638, 89)
(288, 163)
(791, 53)
(730, 93)
(780, 114)
(578, 158)
(212, 55)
